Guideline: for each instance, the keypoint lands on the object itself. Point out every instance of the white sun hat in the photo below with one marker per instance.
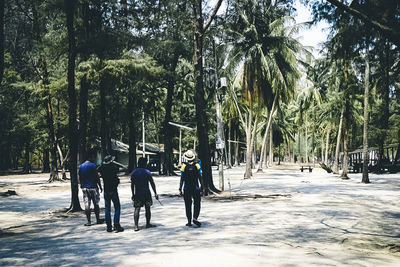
(189, 155)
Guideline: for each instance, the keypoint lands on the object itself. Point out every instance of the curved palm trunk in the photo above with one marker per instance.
(251, 131)
(264, 141)
(72, 129)
(365, 178)
(339, 136)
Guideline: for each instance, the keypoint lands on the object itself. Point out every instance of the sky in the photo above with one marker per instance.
(313, 36)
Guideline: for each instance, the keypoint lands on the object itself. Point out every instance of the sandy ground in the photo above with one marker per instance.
(281, 217)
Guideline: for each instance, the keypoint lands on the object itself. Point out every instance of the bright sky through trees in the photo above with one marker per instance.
(313, 36)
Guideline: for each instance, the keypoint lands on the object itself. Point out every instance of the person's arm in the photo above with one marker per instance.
(180, 186)
(119, 165)
(98, 181)
(181, 181)
(153, 185)
(133, 190)
(200, 177)
(79, 177)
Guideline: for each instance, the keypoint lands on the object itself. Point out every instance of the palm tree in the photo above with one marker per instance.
(262, 47)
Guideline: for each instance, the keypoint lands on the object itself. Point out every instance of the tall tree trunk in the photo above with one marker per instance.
(279, 154)
(27, 140)
(365, 178)
(132, 133)
(385, 91)
(237, 145)
(47, 103)
(168, 149)
(83, 118)
(306, 137)
(345, 154)
(265, 158)
(271, 147)
(201, 116)
(53, 141)
(1, 40)
(327, 145)
(251, 130)
(46, 160)
(62, 162)
(299, 146)
(72, 125)
(103, 118)
(293, 154)
(339, 136)
(322, 148)
(27, 165)
(229, 144)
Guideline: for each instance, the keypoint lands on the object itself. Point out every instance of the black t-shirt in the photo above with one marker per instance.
(110, 178)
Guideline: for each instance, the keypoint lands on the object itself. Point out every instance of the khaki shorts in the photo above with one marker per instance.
(140, 203)
(90, 194)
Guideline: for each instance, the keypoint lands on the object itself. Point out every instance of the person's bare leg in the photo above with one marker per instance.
(136, 218)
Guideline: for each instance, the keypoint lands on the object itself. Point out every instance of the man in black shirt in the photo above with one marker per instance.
(108, 171)
(191, 175)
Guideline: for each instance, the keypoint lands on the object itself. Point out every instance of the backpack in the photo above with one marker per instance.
(191, 175)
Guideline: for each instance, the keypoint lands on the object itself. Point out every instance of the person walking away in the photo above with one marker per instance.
(141, 195)
(109, 173)
(191, 175)
(90, 184)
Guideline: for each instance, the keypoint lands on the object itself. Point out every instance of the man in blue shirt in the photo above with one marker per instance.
(90, 183)
(141, 195)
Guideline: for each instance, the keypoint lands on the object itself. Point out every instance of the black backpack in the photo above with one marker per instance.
(191, 175)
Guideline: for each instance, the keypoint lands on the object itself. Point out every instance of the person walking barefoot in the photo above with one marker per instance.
(90, 183)
(141, 195)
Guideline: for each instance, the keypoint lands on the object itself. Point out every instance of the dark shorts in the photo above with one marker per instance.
(137, 203)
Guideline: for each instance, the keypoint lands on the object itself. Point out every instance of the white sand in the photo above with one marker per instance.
(298, 219)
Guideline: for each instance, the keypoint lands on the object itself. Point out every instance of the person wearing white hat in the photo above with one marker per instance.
(191, 175)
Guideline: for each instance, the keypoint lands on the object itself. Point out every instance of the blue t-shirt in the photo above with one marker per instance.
(88, 175)
(140, 178)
